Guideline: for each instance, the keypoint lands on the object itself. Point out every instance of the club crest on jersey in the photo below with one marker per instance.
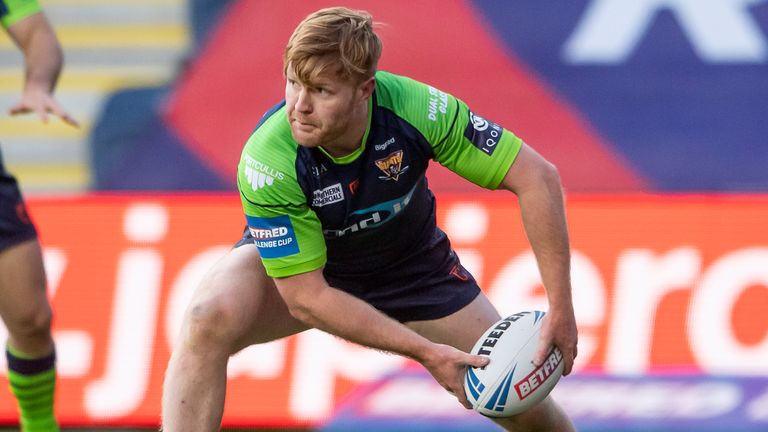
(391, 166)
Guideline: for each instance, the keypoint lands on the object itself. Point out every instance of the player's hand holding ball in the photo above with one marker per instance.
(511, 383)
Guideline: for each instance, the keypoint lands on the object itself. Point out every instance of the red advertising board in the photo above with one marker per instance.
(660, 284)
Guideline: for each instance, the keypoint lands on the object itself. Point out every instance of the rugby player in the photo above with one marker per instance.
(24, 305)
(342, 231)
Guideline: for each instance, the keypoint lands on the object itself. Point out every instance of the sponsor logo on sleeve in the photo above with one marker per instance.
(274, 236)
(438, 103)
(482, 133)
(329, 195)
(259, 174)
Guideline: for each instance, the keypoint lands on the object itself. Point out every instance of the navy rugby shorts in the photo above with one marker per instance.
(432, 286)
(15, 224)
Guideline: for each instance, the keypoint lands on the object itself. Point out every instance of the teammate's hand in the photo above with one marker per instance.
(42, 103)
(558, 329)
(448, 366)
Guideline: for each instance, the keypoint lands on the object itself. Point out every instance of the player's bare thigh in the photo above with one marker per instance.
(461, 329)
(238, 291)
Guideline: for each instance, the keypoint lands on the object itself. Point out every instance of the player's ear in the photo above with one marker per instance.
(367, 87)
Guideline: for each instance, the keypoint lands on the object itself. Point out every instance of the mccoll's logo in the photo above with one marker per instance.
(480, 124)
(482, 133)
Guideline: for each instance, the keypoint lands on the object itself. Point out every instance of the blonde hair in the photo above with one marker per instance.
(333, 37)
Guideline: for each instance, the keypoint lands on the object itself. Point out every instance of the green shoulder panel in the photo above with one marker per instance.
(475, 148)
(17, 10)
(286, 231)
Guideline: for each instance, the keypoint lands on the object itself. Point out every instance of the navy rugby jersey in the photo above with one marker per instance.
(368, 212)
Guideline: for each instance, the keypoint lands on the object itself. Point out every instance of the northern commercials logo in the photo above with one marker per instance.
(329, 195)
(391, 166)
(259, 174)
(483, 134)
(274, 236)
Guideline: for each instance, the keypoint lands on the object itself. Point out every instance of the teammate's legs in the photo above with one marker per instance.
(27, 314)
(461, 330)
(236, 305)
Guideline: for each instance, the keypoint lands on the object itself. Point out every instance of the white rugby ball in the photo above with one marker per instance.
(510, 383)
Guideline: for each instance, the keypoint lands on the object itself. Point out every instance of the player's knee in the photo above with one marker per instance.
(31, 323)
(210, 324)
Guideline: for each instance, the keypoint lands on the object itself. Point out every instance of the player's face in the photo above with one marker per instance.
(326, 112)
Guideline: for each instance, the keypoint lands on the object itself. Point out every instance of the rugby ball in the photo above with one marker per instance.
(510, 383)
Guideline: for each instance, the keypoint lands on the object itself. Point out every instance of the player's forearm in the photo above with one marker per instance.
(348, 317)
(43, 57)
(543, 214)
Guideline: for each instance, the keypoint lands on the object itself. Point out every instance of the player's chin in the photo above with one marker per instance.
(305, 139)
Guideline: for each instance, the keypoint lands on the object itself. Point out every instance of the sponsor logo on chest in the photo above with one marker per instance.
(329, 195)
(384, 145)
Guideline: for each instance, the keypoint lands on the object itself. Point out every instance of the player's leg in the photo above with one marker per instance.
(461, 330)
(26, 312)
(236, 305)
(27, 315)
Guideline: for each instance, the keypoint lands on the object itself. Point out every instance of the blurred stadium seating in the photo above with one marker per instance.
(108, 45)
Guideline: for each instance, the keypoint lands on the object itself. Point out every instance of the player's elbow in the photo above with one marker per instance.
(544, 177)
(550, 175)
(301, 311)
(301, 307)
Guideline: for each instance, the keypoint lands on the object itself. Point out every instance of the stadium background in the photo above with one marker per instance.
(656, 121)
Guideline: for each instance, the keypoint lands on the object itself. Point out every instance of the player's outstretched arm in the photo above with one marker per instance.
(311, 300)
(536, 182)
(43, 60)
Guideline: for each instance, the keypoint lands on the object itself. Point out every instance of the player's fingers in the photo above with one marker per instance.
(65, 117)
(478, 361)
(69, 120)
(569, 354)
(541, 352)
(54, 108)
(42, 112)
(19, 108)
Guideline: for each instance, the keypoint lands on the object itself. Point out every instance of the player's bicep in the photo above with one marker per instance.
(301, 288)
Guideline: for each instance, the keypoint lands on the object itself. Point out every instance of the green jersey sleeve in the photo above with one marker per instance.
(13, 11)
(286, 231)
(475, 148)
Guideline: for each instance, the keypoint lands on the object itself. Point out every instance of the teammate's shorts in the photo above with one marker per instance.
(431, 286)
(15, 224)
